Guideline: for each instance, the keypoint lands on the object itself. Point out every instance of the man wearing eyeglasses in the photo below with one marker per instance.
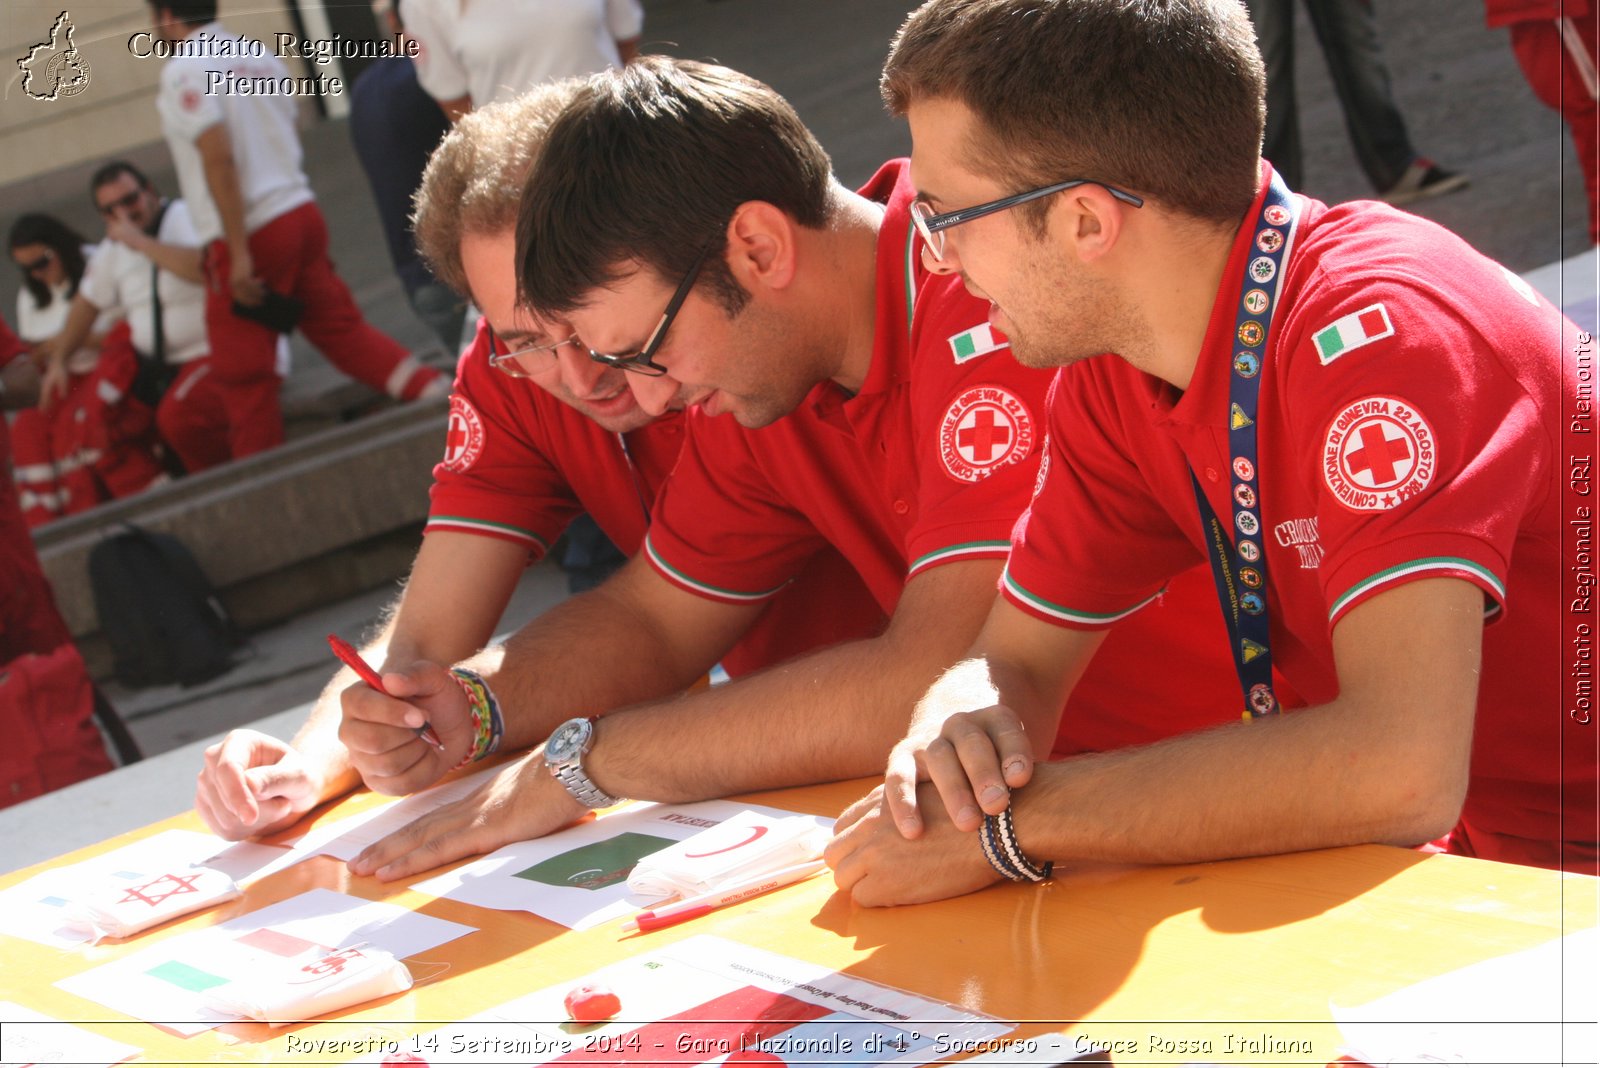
(1356, 417)
(538, 432)
(148, 269)
(840, 395)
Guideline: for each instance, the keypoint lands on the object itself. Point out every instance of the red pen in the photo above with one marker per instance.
(352, 660)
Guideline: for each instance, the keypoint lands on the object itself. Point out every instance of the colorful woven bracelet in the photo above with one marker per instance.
(488, 726)
(1001, 841)
(989, 840)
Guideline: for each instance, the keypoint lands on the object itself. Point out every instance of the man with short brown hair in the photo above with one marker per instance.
(1353, 415)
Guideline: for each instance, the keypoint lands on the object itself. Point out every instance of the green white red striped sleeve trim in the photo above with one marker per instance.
(703, 589)
(1456, 566)
(963, 550)
(461, 524)
(1026, 599)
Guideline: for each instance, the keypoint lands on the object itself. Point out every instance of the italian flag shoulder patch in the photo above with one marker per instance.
(979, 341)
(1351, 332)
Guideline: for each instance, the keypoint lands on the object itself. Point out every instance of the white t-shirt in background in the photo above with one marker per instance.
(118, 281)
(495, 49)
(261, 129)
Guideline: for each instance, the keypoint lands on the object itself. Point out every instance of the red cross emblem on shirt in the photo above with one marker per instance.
(1379, 456)
(179, 884)
(984, 429)
(455, 438)
(981, 434)
(464, 435)
(1379, 452)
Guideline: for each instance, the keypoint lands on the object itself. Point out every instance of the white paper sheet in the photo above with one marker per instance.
(1524, 1008)
(33, 908)
(703, 999)
(577, 877)
(32, 1038)
(165, 983)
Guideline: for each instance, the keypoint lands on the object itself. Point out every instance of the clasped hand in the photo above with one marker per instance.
(911, 839)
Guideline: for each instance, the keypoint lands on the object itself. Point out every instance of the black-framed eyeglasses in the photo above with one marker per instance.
(35, 266)
(127, 200)
(932, 226)
(529, 361)
(643, 361)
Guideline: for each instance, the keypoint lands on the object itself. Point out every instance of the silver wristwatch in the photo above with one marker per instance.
(563, 755)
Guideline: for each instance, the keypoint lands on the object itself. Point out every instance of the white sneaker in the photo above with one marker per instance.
(1423, 179)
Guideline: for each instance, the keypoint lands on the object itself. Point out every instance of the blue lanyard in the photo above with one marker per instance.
(635, 477)
(1239, 564)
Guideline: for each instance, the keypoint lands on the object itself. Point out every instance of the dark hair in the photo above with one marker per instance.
(110, 172)
(473, 181)
(63, 240)
(191, 12)
(647, 165)
(1163, 97)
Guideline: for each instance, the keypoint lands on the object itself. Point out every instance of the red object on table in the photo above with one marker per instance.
(592, 1003)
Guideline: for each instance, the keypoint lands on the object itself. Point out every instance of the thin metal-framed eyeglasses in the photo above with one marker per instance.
(529, 361)
(643, 361)
(932, 226)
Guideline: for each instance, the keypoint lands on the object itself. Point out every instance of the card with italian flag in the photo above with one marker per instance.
(1353, 331)
(979, 341)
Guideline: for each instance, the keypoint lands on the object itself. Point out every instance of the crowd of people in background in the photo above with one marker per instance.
(160, 350)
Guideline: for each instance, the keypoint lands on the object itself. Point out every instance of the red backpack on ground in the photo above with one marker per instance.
(47, 721)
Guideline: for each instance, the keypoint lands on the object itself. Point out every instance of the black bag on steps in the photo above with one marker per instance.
(158, 612)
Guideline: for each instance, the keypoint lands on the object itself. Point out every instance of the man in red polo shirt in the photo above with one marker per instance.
(851, 400)
(522, 458)
(1354, 415)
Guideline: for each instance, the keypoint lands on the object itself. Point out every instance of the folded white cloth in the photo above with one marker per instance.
(123, 907)
(744, 846)
(305, 988)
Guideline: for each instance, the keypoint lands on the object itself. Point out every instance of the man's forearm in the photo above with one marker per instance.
(1386, 761)
(317, 740)
(828, 715)
(75, 332)
(823, 717)
(1298, 781)
(585, 656)
(177, 260)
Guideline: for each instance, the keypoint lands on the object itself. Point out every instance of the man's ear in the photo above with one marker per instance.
(761, 246)
(1094, 221)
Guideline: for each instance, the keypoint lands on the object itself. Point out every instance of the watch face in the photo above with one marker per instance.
(567, 741)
